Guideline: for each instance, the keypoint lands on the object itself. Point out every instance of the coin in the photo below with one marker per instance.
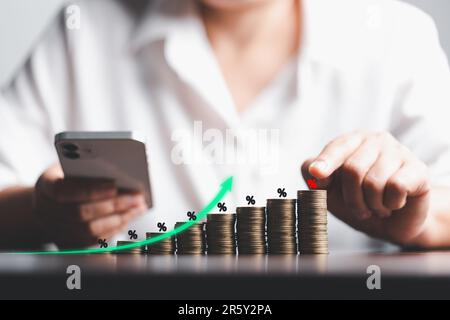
(162, 247)
(134, 250)
(312, 221)
(220, 233)
(191, 240)
(281, 226)
(251, 230)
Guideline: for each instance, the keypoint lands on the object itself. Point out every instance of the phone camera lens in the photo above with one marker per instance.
(72, 155)
(70, 147)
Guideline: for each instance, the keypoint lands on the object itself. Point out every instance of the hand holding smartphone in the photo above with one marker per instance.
(101, 185)
(117, 156)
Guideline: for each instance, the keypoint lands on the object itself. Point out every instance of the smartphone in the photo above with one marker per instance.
(119, 156)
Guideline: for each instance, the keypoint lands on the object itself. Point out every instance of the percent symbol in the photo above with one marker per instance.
(102, 243)
(250, 200)
(132, 234)
(282, 192)
(162, 226)
(191, 215)
(222, 207)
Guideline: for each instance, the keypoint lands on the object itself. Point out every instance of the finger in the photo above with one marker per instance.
(53, 173)
(77, 235)
(376, 179)
(134, 212)
(111, 234)
(73, 239)
(104, 225)
(321, 183)
(94, 210)
(53, 185)
(353, 172)
(83, 190)
(46, 181)
(411, 180)
(334, 155)
(63, 213)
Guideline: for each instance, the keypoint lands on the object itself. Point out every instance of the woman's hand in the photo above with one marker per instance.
(374, 184)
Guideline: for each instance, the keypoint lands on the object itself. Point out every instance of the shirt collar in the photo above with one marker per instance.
(186, 50)
(161, 19)
(174, 21)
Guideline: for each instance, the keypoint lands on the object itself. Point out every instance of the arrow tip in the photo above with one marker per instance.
(227, 184)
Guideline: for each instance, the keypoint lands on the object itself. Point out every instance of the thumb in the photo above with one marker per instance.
(46, 182)
(307, 175)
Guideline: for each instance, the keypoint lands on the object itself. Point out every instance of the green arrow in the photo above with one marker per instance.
(225, 187)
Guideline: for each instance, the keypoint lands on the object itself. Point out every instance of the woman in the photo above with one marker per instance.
(353, 91)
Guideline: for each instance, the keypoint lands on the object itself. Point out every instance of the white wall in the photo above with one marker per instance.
(440, 11)
(21, 22)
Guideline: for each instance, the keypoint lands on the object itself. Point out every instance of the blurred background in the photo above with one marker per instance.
(22, 21)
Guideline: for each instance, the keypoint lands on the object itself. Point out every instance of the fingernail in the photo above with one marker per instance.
(387, 215)
(131, 200)
(383, 214)
(321, 165)
(136, 212)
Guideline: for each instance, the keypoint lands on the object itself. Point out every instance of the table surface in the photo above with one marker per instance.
(395, 263)
(337, 275)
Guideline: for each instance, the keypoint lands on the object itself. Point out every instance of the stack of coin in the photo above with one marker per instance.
(220, 233)
(251, 230)
(135, 250)
(281, 226)
(163, 247)
(192, 240)
(312, 221)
